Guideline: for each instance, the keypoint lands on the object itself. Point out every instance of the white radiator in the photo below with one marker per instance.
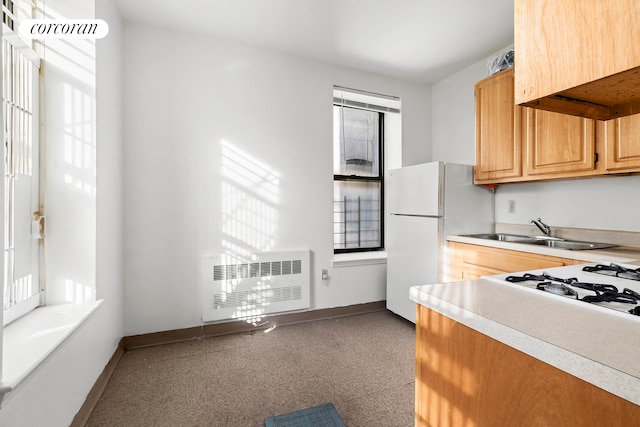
(236, 287)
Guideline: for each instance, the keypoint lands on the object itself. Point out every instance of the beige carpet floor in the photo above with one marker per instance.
(364, 364)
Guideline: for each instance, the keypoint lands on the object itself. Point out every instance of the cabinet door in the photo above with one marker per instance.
(498, 140)
(558, 145)
(473, 261)
(506, 261)
(466, 378)
(623, 144)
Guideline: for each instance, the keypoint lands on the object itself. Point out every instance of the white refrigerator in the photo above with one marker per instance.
(426, 203)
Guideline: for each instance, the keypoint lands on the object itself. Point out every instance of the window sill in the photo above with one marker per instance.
(33, 338)
(359, 258)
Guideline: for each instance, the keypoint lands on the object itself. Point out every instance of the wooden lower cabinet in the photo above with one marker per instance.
(465, 378)
(468, 262)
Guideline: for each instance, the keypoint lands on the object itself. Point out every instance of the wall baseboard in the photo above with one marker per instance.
(82, 416)
(217, 329)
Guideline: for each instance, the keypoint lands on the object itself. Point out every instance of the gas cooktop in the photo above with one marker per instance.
(604, 286)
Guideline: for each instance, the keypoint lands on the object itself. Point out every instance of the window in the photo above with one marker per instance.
(7, 13)
(358, 170)
(22, 246)
(16, 11)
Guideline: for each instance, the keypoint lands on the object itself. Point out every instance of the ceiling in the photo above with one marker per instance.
(417, 40)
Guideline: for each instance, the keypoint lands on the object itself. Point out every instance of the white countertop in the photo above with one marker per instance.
(620, 254)
(596, 346)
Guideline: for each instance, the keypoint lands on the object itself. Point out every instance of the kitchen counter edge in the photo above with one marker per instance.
(458, 300)
(619, 254)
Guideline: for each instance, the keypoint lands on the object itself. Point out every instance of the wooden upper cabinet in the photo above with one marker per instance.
(579, 57)
(516, 143)
(558, 144)
(623, 144)
(498, 139)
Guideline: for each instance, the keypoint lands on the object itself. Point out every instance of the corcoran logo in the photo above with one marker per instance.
(63, 29)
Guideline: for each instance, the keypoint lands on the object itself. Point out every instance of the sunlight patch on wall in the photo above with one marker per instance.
(250, 194)
(79, 135)
(248, 222)
(248, 172)
(74, 56)
(76, 292)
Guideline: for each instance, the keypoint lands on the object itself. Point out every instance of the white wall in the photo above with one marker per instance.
(193, 105)
(599, 203)
(85, 233)
(607, 203)
(70, 160)
(417, 144)
(454, 132)
(109, 181)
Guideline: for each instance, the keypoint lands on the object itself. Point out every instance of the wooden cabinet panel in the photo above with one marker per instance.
(498, 137)
(558, 144)
(472, 272)
(473, 261)
(507, 260)
(459, 270)
(524, 144)
(623, 144)
(578, 57)
(465, 378)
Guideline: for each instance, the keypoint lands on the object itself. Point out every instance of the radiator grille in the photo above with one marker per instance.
(243, 298)
(254, 269)
(263, 283)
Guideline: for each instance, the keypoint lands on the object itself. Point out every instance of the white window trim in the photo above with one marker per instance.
(26, 306)
(31, 340)
(392, 155)
(352, 259)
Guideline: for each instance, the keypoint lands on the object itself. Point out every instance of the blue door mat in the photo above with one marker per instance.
(318, 416)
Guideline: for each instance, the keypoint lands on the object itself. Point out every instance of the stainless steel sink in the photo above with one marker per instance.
(552, 242)
(577, 246)
(501, 237)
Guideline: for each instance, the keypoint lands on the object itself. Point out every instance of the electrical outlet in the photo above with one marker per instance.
(512, 206)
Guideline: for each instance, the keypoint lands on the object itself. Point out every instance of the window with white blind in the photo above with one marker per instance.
(358, 169)
(22, 246)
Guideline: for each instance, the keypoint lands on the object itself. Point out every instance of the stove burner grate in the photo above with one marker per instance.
(611, 297)
(614, 270)
(596, 287)
(604, 293)
(557, 288)
(573, 281)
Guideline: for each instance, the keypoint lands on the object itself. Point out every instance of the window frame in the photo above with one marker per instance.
(358, 178)
(21, 297)
(8, 13)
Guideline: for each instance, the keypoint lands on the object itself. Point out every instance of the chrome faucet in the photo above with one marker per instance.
(542, 226)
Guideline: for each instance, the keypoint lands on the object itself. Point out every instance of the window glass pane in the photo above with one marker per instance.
(7, 6)
(21, 290)
(355, 141)
(356, 215)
